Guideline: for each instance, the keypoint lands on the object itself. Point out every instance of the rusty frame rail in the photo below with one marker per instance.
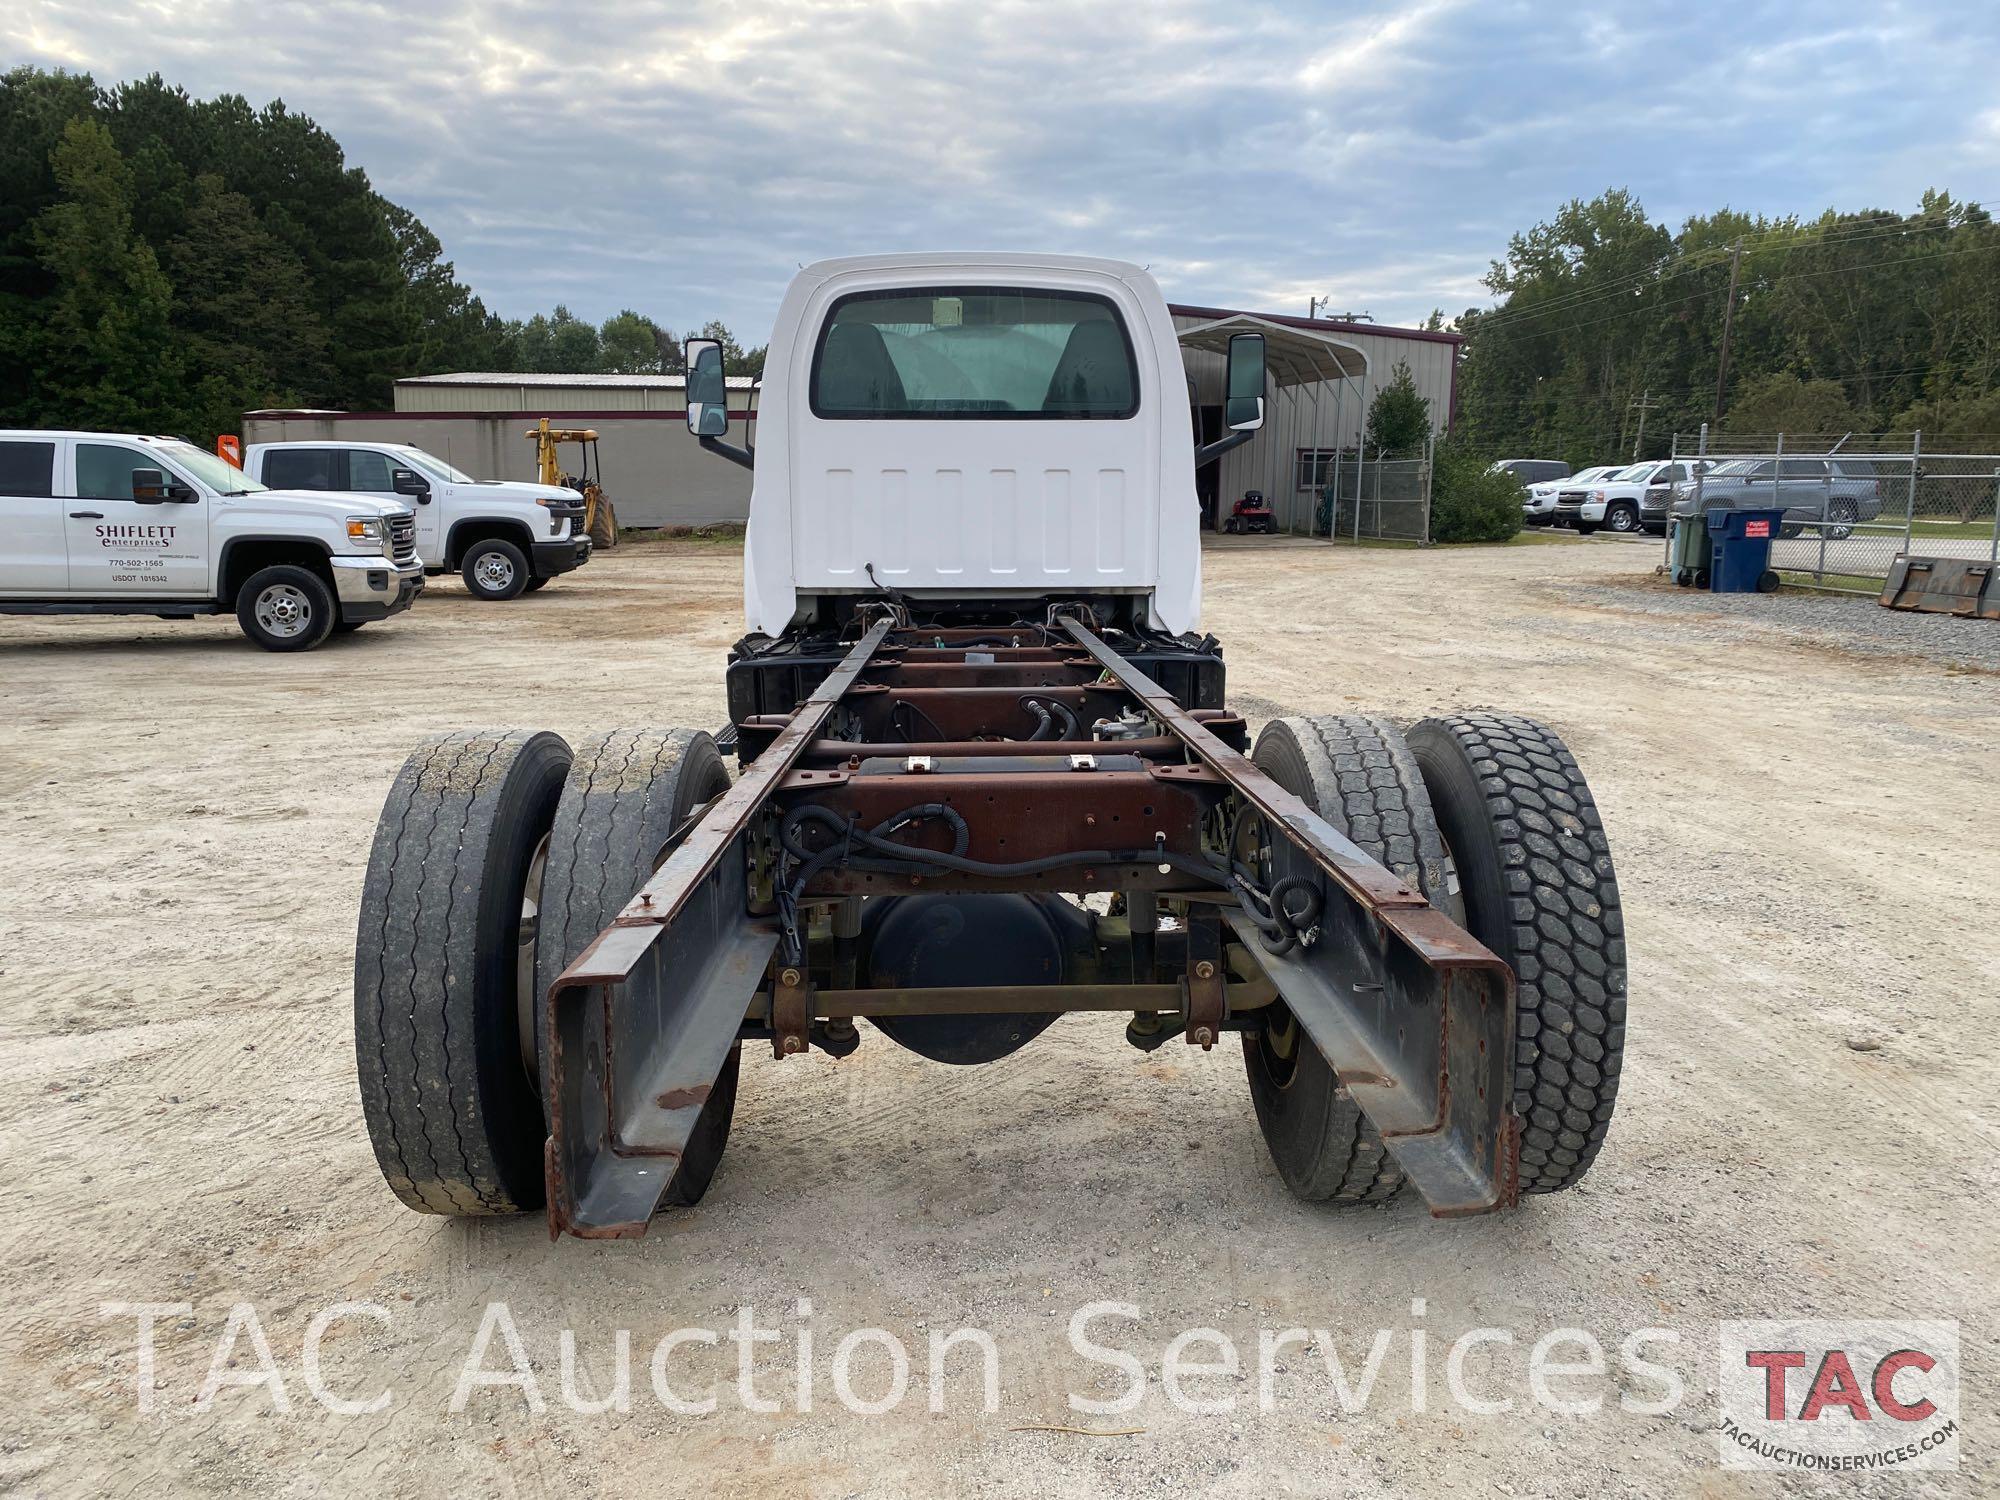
(1414, 1013)
(641, 1023)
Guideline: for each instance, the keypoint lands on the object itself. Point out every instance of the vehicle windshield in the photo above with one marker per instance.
(974, 353)
(434, 466)
(212, 470)
(1632, 471)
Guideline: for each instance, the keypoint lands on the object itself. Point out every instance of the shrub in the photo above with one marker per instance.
(1469, 502)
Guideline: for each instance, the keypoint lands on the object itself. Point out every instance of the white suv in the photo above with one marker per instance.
(99, 523)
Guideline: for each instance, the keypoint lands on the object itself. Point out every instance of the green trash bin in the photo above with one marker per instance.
(1691, 551)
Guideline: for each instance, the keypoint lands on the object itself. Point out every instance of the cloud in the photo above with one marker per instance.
(683, 158)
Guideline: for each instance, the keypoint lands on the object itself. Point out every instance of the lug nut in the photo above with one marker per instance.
(1204, 1037)
(789, 978)
(1204, 970)
(794, 1044)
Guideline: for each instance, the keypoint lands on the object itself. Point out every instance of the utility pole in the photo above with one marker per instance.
(1313, 305)
(1643, 405)
(1728, 317)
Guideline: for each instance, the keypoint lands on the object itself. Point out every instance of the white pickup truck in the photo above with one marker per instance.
(97, 523)
(1625, 501)
(503, 537)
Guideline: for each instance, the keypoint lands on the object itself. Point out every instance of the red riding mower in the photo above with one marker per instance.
(1250, 514)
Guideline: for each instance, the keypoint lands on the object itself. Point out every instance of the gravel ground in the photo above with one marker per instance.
(1806, 1125)
(1843, 622)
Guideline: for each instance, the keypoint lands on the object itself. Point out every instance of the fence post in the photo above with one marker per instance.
(1993, 551)
(1910, 510)
(1360, 481)
(1667, 528)
(1430, 475)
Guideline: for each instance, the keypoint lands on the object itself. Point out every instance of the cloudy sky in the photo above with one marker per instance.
(683, 158)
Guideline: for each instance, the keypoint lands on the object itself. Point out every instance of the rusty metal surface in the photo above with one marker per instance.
(1028, 999)
(649, 1010)
(1413, 1012)
(1206, 1001)
(791, 1013)
(1966, 587)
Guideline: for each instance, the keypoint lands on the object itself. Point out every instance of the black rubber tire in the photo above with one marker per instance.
(1701, 578)
(1768, 581)
(322, 612)
(1790, 530)
(1357, 773)
(628, 792)
(1535, 877)
(1684, 578)
(455, 1119)
(468, 569)
(1623, 519)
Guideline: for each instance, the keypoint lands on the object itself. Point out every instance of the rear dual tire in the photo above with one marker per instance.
(1489, 816)
(498, 857)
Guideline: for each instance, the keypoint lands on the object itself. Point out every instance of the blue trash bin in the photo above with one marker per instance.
(1741, 540)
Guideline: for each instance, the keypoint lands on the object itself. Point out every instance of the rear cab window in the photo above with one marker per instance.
(27, 469)
(974, 354)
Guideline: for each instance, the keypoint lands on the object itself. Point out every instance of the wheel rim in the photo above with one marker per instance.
(283, 611)
(495, 571)
(1622, 520)
(1842, 516)
(524, 959)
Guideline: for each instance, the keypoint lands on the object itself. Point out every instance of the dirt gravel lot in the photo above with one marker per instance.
(1805, 839)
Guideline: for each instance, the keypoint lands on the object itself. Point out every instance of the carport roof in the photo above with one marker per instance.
(1294, 356)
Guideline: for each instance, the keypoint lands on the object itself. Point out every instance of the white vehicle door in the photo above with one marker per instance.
(118, 545)
(372, 473)
(34, 561)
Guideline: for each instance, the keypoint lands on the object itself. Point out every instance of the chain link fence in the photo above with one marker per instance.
(1848, 513)
(1375, 499)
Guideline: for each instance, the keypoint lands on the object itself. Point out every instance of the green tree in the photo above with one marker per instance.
(629, 344)
(1771, 404)
(106, 355)
(242, 318)
(1469, 501)
(1399, 420)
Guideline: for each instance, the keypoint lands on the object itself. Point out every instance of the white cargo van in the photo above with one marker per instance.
(99, 523)
(505, 538)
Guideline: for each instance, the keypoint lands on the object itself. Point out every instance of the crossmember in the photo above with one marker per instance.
(1034, 759)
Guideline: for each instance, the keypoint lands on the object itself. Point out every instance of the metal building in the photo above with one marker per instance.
(1324, 373)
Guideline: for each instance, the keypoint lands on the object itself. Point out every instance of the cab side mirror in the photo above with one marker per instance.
(1243, 406)
(707, 391)
(410, 482)
(149, 486)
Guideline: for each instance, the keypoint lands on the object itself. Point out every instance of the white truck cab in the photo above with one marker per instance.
(505, 538)
(119, 523)
(973, 428)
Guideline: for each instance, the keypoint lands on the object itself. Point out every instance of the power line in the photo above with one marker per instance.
(1799, 238)
(1633, 285)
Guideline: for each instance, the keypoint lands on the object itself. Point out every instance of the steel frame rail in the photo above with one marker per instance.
(1415, 1016)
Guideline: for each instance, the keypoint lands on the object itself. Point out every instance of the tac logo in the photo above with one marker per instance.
(1839, 1396)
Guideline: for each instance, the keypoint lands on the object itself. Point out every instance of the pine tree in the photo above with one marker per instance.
(106, 350)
